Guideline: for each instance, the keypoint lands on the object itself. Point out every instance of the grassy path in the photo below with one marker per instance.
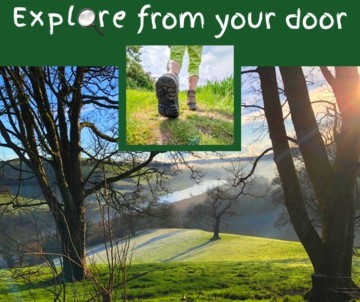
(211, 124)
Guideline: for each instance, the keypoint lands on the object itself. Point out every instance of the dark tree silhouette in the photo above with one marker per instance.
(220, 203)
(333, 183)
(58, 120)
(210, 214)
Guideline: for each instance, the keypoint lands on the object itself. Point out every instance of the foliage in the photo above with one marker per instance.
(136, 77)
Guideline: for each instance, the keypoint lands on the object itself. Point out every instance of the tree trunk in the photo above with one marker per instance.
(106, 296)
(294, 200)
(330, 289)
(333, 187)
(44, 124)
(216, 227)
(341, 234)
(330, 255)
(132, 230)
(72, 232)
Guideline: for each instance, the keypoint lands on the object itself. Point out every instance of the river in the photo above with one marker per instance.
(215, 173)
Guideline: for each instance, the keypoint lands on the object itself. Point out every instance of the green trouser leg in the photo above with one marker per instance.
(194, 52)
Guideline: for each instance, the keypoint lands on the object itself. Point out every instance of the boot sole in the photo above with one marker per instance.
(192, 107)
(166, 93)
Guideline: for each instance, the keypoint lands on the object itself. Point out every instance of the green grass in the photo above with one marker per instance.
(169, 245)
(183, 265)
(20, 201)
(212, 124)
(211, 281)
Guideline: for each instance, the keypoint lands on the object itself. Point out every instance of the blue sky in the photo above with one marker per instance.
(255, 137)
(217, 63)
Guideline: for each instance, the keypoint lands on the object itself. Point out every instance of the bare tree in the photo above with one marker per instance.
(57, 120)
(118, 255)
(307, 190)
(333, 183)
(219, 204)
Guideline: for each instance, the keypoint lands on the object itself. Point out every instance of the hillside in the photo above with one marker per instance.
(174, 245)
(251, 216)
(183, 265)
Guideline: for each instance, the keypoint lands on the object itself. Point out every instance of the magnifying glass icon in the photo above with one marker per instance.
(87, 18)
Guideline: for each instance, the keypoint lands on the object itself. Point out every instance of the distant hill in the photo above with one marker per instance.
(173, 245)
(251, 216)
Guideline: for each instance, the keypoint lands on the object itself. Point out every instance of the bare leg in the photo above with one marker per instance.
(193, 81)
(173, 67)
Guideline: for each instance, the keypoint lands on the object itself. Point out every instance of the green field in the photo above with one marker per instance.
(211, 124)
(183, 265)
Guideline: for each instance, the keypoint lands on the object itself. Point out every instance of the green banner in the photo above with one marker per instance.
(262, 32)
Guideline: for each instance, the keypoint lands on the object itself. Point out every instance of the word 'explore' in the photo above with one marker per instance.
(85, 18)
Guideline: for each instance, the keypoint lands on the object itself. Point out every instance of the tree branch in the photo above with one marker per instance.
(328, 76)
(243, 179)
(249, 71)
(97, 132)
(126, 174)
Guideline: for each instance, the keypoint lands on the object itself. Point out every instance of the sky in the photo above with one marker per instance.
(217, 63)
(255, 137)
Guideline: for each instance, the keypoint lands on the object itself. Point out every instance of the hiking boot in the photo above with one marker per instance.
(167, 88)
(191, 99)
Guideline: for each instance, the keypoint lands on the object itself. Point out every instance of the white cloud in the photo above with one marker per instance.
(217, 63)
(154, 59)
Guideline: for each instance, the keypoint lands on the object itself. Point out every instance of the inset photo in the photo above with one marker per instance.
(180, 95)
